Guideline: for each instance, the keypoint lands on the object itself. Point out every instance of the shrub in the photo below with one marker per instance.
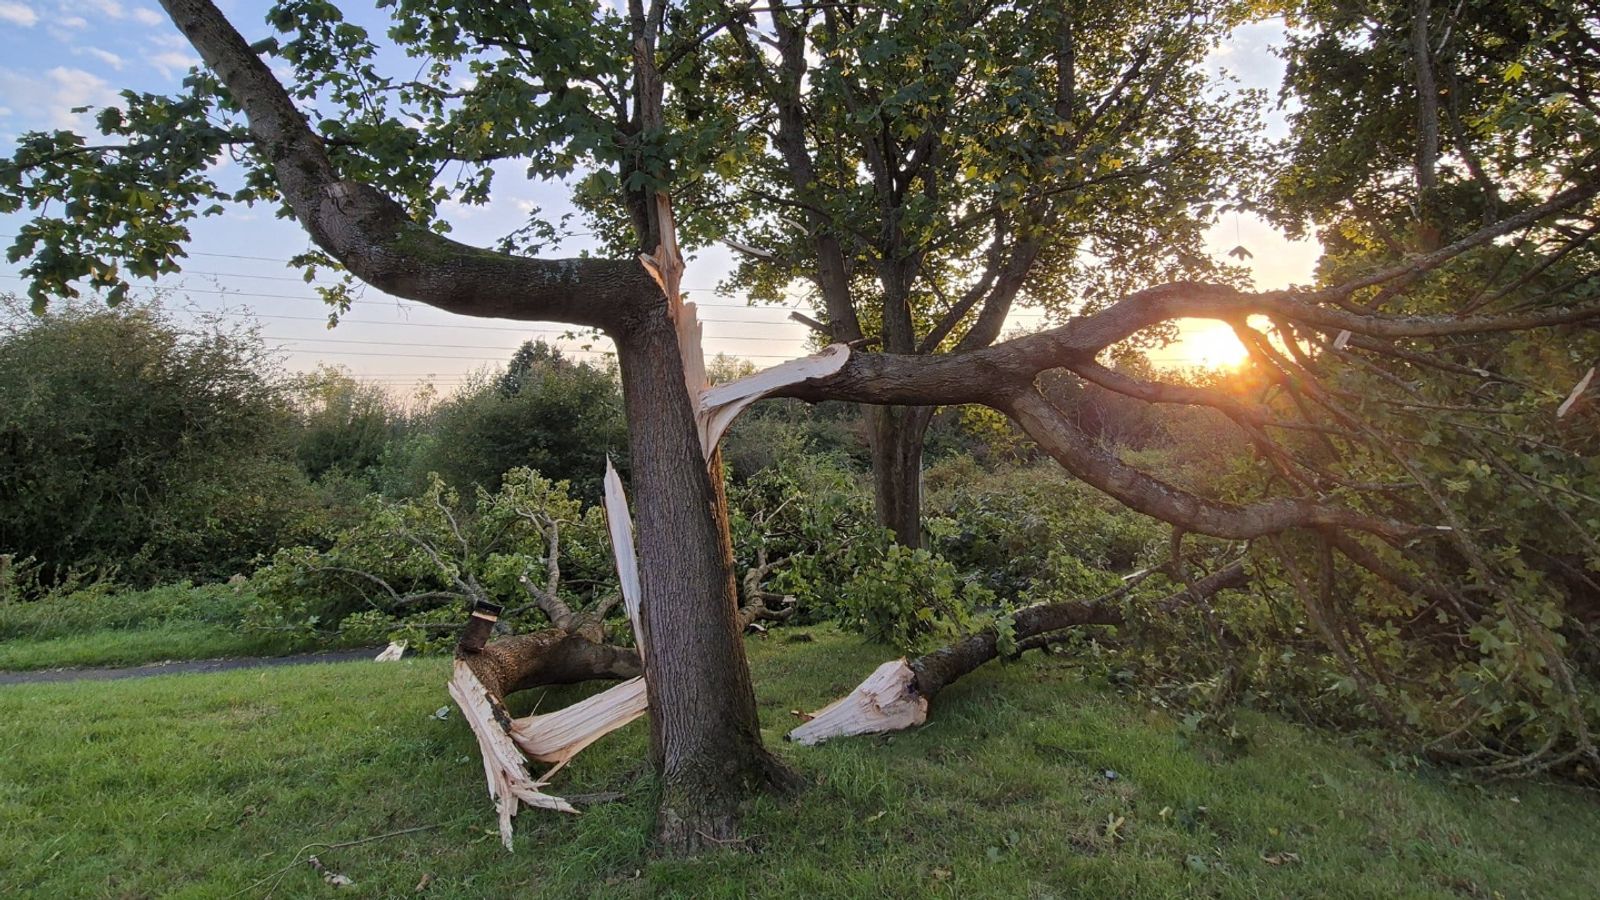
(130, 443)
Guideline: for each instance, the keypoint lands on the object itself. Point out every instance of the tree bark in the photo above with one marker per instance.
(896, 436)
(1428, 229)
(552, 656)
(705, 737)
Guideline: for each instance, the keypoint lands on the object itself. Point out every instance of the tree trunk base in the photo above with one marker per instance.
(700, 809)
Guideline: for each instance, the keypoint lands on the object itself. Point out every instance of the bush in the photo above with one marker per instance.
(544, 412)
(102, 606)
(410, 568)
(911, 597)
(1033, 533)
(132, 444)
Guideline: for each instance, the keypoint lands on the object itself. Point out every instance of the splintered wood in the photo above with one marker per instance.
(507, 744)
(720, 405)
(886, 701)
(619, 523)
(503, 764)
(557, 737)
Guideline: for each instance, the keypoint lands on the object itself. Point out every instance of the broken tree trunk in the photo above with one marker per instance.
(481, 681)
(896, 695)
(704, 734)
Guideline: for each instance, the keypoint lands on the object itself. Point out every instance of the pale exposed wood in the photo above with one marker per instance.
(720, 405)
(504, 766)
(690, 332)
(506, 743)
(748, 250)
(557, 737)
(1577, 391)
(886, 701)
(620, 524)
(391, 653)
(666, 266)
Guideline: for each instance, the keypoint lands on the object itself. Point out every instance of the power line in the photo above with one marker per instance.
(693, 290)
(370, 304)
(317, 340)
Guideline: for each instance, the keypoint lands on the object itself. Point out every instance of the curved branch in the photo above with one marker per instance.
(1144, 493)
(372, 235)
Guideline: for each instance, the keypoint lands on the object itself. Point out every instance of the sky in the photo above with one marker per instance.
(59, 54)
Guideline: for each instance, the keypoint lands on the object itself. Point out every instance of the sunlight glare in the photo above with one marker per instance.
(1202, 343)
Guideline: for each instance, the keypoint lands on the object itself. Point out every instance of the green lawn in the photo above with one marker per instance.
(203, 786)
(132, 647)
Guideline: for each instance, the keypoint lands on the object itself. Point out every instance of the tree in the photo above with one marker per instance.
(341, 178)
(926, 165)
(345, 425)
(545, 412)
(569, 87)
(130, 444)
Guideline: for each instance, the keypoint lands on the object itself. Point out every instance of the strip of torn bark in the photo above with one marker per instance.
(720, 405)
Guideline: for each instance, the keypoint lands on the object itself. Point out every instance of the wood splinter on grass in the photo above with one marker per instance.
(887, 701)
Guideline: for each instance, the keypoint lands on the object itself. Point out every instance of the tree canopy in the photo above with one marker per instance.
(1398, 409)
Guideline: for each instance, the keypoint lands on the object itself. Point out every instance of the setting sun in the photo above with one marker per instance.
(1202, 343)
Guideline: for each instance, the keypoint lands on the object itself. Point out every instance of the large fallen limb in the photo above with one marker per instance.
(896, 695)
(480, 682)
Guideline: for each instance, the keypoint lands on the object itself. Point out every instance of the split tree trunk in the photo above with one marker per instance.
(896, 435)
(705, 737)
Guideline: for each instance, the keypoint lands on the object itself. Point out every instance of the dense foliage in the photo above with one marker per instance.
(544, 411)
(409, 568)
(132, 445)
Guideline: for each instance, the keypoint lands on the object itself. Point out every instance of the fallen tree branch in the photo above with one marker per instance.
(896, 695)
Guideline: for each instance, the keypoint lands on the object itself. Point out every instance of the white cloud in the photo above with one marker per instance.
(105, 56)
(110, 8)
(70, 22)
(148, 17)
(47, 101)
(172, 63)
(18, 13)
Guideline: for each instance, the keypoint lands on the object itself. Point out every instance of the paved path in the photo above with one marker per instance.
(181, 667)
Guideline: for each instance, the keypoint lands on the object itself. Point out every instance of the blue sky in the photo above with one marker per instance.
(60, 54)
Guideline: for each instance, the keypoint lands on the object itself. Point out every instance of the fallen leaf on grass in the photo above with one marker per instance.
(422, 883)
(1280, 859)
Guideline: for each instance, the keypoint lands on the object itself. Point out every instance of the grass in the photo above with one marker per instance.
(208, 785)
(124, 647)
(107, 627)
